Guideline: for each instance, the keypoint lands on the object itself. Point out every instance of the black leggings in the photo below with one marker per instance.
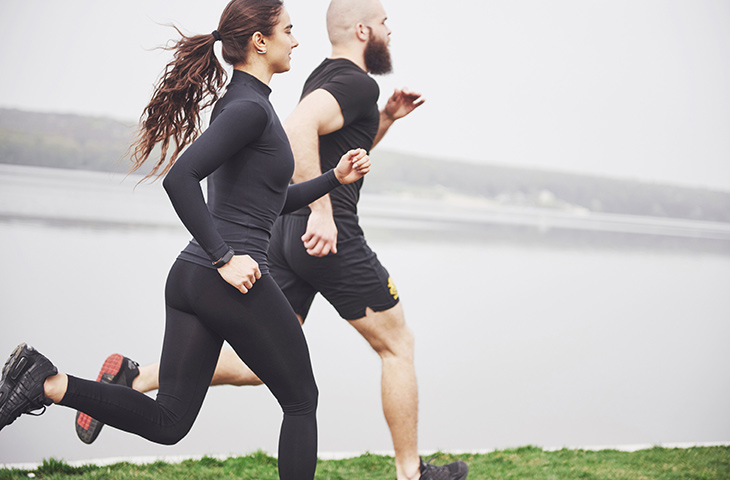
(203, 311)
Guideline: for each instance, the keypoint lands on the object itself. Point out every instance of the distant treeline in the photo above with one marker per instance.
(543, 188)
(64, 141)
(90, 143)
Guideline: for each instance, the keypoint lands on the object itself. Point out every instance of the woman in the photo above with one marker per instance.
(219, 288)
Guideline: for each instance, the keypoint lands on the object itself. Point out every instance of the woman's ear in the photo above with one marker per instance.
(258, 42)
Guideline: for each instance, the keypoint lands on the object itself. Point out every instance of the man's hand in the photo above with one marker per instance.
(320, 239)
(401, 103)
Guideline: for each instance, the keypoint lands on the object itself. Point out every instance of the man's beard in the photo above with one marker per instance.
(377, 56)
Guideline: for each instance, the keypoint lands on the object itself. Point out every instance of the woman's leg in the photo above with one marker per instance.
(264, 331)
(286, 370)
(189, 355)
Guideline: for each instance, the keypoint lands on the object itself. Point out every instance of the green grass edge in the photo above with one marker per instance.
(524, 463)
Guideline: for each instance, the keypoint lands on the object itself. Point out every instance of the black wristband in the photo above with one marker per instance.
(225, 258)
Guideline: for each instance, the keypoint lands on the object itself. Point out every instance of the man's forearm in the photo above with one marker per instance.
(386, 121)
(305, 147)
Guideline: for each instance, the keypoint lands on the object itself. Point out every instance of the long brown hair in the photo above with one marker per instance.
(192, 80)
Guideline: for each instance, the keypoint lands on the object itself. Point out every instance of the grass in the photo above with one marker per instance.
(526, 463)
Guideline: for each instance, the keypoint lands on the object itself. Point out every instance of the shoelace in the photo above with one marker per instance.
(31, 412)
(428, 462)
(428, 465)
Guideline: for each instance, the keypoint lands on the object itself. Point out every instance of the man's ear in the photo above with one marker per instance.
(362, 32)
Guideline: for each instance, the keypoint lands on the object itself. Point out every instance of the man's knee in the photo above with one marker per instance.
(404, 342)
(387, 332)
(231, 370)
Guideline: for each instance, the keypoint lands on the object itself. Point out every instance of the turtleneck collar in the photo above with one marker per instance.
(239, 76)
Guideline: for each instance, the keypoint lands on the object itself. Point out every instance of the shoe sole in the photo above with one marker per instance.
(88, 428)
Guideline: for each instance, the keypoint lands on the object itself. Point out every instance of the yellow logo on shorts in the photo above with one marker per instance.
(391, 287)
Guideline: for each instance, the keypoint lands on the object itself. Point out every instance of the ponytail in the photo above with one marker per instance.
(190, 83)
(192, 79)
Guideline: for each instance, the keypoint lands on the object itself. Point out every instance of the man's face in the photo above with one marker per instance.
(377, 55)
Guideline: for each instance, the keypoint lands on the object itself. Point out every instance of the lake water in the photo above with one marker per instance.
(524, 335)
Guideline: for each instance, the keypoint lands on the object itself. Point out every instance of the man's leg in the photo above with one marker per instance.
(230, 370)
(391, 338)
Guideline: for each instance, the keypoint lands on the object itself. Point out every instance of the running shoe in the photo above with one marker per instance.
(21, 384)
(453, 471)
(118, 370)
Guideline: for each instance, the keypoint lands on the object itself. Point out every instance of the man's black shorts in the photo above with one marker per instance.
(351, 280)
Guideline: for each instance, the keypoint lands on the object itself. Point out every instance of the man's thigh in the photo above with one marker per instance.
(386, 332)
(352, 280)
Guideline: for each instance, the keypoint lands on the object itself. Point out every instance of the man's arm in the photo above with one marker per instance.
(400, 104)
(317, 114)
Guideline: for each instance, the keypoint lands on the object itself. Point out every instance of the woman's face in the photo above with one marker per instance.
(280, 44)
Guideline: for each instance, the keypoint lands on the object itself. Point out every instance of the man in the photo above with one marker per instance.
(322, 249)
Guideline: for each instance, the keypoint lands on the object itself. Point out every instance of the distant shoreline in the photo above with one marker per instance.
(88, 199)
(82, 143)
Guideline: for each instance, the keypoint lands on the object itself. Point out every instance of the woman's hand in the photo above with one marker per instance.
(352, 166)
(241, 271)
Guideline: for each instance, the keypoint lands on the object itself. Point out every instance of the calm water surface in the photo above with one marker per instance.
(516, 344)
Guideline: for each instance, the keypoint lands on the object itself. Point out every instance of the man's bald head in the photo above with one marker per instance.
(344, 15)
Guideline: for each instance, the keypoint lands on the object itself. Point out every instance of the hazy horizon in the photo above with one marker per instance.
(626, 89)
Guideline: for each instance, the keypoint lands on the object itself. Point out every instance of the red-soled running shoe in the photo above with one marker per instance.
(21, 384)
(118, 370)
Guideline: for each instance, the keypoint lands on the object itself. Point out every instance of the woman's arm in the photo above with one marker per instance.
(352, 166)
(236, 126)
(299, 195)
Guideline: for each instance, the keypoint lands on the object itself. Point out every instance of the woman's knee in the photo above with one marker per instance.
(170, 435)
(304, 404)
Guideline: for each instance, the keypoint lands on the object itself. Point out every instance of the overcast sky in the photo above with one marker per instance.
(634, 89)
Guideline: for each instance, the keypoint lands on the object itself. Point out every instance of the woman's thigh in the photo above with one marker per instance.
(263, 330)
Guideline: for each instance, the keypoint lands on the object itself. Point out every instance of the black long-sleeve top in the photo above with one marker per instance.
(246, 157)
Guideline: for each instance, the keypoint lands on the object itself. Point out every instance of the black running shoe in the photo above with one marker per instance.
(21, 386)
(453, 471)
(118, 370)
